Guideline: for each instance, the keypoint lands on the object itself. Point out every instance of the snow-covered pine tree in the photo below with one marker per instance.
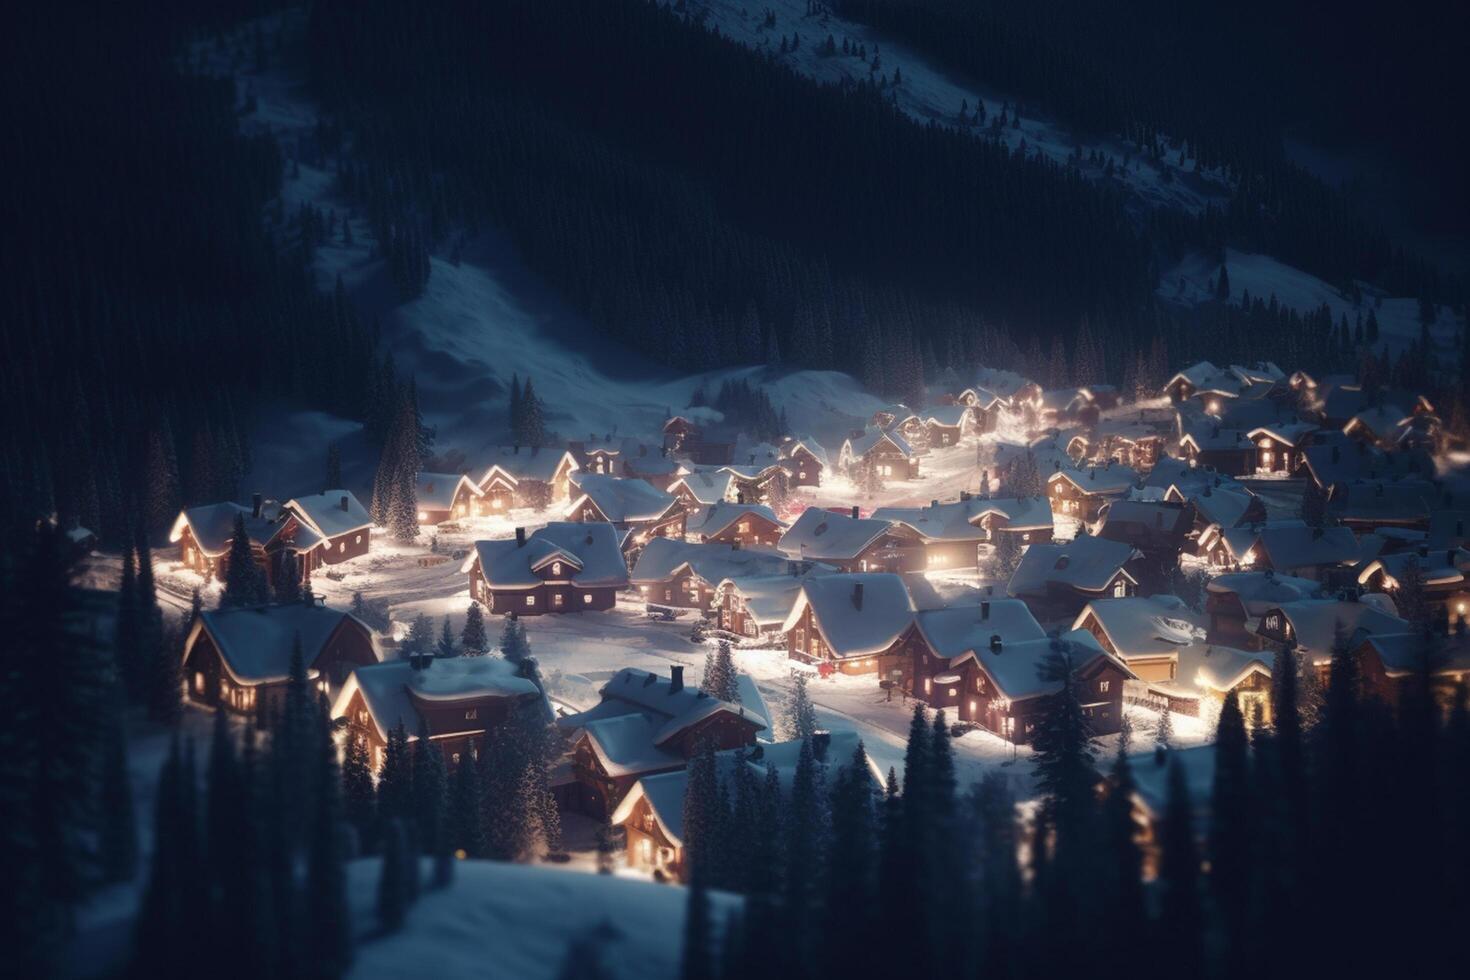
(1164, 729)
(328, 943)
(472, 638)
(720, 678)
(245, 583)
(513, 644)
(395, 780)
(420, 639)
(430, 796)
(801, 714)
(465, 826)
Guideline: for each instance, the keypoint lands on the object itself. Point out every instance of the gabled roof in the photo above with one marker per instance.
(594, 546)
(1403, 653)
(665, 792)
(326, 514)
(821, 534)
(1381, 422)
(1288, 547)
(526, 463)
(1098, 479)
(946, 414)
(621, 500)
(436, 491)
(662, 558)
(213, 526)
(391, 689)
(1258, 591)
(1219, 668)
(1215, 439)
(706, 486)
(1441, 567)
(1143, 627)
(1290, 433)
(1021, 513)
(1146, 522)
(666, 713)
(768, 598)
(1016, 667)
(255, 642)
(1225, 505)
(1198, 374)
(1404, 501)
(959, 630)
(1088, 564)
(808, 443)
(939, 522)
(857, 614)
(714, 518)
(872, 437)
(1314, 623)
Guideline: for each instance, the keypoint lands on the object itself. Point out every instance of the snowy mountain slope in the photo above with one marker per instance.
(481, 321)
(1189, 283)
(927, 93)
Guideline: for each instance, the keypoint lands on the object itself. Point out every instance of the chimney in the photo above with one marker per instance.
(520, 537)
(995, 644)
(255, 505)
(857, 596)
(676, 678)
(964, 495)
(984, 610)
(343, 503)
(934, 502)
(821, 742)
(854, 511)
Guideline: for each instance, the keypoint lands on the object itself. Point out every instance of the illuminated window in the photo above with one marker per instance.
(198, 682)
(455, 758)
(645, 850)
(530, 600)
(556, 568)
(472, 714)
(953, 692)
(556, 599)
(1102, 687)
(423, 515)
(341, 547)
(587, 598)
(1120, 588)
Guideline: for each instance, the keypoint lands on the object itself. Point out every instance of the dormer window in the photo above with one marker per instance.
(556, 569)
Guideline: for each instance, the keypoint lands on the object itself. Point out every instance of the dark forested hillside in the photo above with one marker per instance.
(152, 289)
(1218, 86)
(704, 202)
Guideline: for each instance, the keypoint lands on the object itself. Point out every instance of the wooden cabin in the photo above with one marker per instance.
(805, 461)
(638, 509)
(205, 534)
(525, 476)
(239, 659)
(339, 519)
(444, 497)
(1058, 580)
(739, 525)
(1081, 494)
(1279, 447)
(852, 543)
(564, 567)
(851, 622)
(888, 453)
(459, 702)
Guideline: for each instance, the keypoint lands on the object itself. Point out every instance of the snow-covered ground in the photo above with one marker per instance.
(1190, 283)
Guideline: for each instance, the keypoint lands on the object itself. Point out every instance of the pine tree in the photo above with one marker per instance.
(430, 796)
(466, 831)
(1164, 728)
(721, 678)
(1409, 597)
(128, 631)
(849, 892)
(1179, 937)
(697, 960)
(420, 639)
(359, 796)
(157, 949)
(117, 841)
(473, 638)
(513, 645)
(446, 647)
(1122, 897)
(1066, 772)
(801, 714)
(517, 421)
(395, 781)
(1005, 557)
(1231, 831)
(245, 583)
(701, 816)
(328, 947)
(1222, 286)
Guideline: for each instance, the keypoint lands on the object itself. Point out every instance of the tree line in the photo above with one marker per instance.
(1339, 808)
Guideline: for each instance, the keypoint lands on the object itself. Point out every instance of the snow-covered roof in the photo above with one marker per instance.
(213, 526)
(330, 513)
(1289, 547)
(390, 689)
(1226, 506)
(1199, 374)
(707, 486)
(958, 630)
(860, 446)
(1143, 627)
(1144, 522)
(1403, 653)
(590, 550)
(621, 500)
(1288, 433)
(711, 519)
(667, 713)
(1151, 782)
(526, 462)
(1315, 621)
(1406, 501)
(1219, 668)
(662, 558)
(664, 792)
(1021, 513)
(808, 443)
(255, 642)
(436, 491)
(768, 599)
(1016, 667)
(823, 534)
(1087, 563)
(1441, 567)
(857, 614)
(1213, 438)
(946, 414)
(1260, 373)
(1259, 591)
(1098, 479)
(940, 522)
(1380, 421)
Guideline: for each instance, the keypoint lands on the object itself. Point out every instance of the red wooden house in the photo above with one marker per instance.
(635, 508)
(446, 497)
(852, 543)
(742, 525)
(851, 623)
(563, 567)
